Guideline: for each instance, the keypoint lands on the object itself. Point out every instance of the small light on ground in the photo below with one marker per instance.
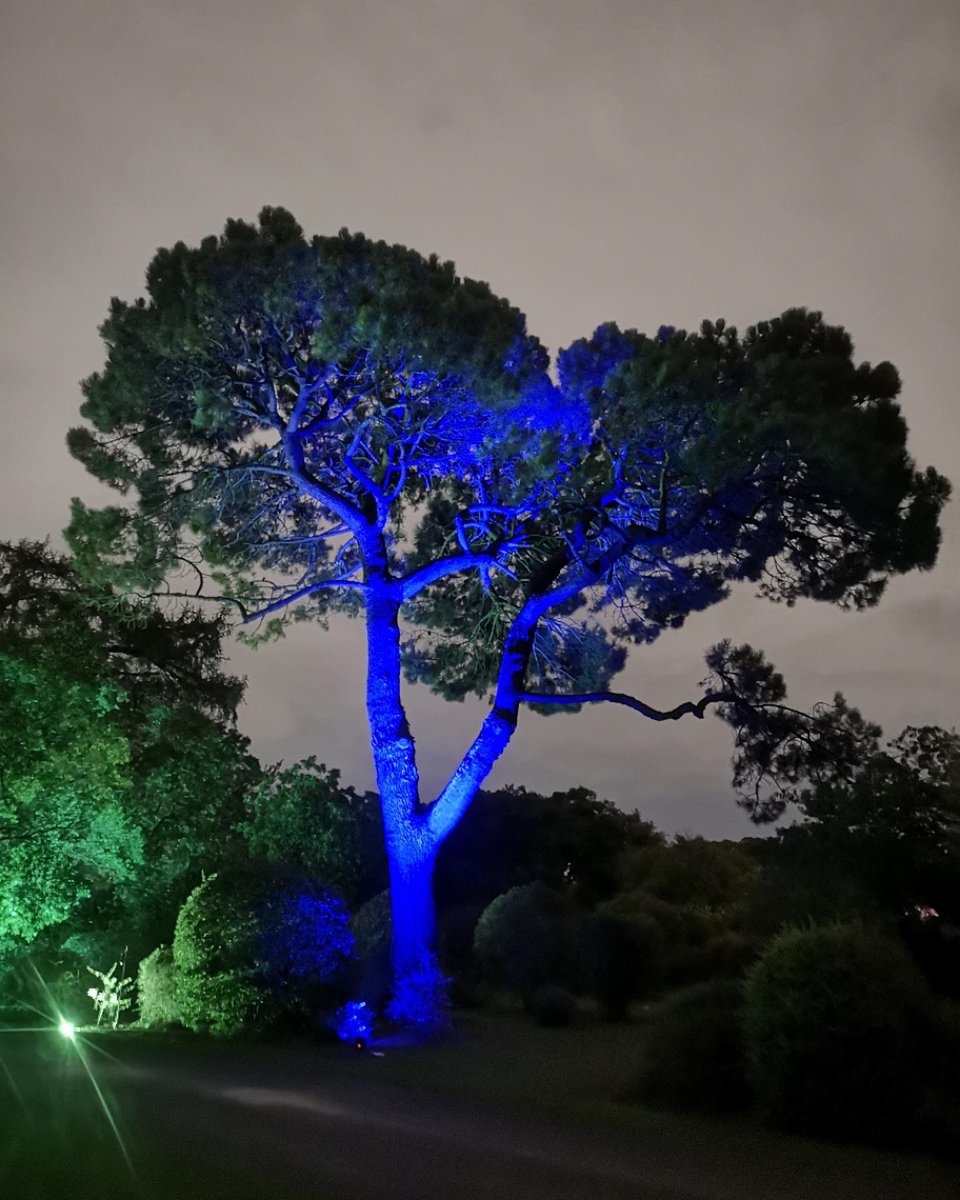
(67, 1029)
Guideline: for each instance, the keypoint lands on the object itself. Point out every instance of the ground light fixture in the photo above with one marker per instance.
(68, 1029)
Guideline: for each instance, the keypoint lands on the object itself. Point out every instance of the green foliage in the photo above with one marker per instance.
(717, 876)
(624, 958)
(157, 989)
(65, 830)
(397, 340)
(657, 471)
(303, 817)
(226, 1004)
(257, 946)
(693, 1055)
(512, 836)
(834, 1024)
(805, 882)
(681, 924)
(526, 938)
(892, 824)
(725, 956)
(118, 751)
(553, 1006)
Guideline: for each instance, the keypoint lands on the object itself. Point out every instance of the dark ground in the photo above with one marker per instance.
(277, 1121)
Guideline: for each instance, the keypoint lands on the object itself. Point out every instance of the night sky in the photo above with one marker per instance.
(644, 161)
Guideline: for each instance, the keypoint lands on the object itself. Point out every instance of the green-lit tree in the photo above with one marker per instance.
(303, 427)
(64, 826)
(302, 816)
(121, 771)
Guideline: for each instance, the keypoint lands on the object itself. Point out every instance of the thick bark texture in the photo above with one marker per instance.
(411, 848)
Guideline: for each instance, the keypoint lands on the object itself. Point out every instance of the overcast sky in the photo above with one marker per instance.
(644, 161)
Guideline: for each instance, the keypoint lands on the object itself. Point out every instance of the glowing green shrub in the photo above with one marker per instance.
(157, 988)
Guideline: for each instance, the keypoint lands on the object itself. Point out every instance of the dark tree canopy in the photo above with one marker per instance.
(893, 821)
(513, 836)
(272, 398)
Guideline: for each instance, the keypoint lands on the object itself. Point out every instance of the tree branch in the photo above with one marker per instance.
(300, 594)
(432, 572)
(695, 708)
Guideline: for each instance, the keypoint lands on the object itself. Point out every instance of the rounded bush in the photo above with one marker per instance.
(623, 958)
(553, 1006)
(694, 1058)
(254, 946)
(834, 1026)
(525, 938)
(157, 989)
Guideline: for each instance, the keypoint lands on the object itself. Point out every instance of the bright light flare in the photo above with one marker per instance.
(67, 1029)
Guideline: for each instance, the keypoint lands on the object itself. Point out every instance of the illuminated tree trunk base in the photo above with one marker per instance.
(413, 913)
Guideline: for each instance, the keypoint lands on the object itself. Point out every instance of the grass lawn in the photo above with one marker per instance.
(577, 1074)
(495, 1060)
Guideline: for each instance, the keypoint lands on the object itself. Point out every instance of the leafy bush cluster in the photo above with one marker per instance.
(256, 946)
(834, 1032)
(627, 949)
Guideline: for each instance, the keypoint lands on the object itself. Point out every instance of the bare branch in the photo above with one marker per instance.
(687, 708)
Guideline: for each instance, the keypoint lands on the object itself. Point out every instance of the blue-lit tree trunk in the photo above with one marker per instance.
(413, 831)
(410, 851)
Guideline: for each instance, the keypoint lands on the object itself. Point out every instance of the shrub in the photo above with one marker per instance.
(693, 1057)
(525, 938)
(834, 1024)
(372, 974)
(157, 988)
(353, 1022)
(681, 924)
(553, 1006)
(254, 946)
(796, 894)
(622, 957)
(726, 956)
